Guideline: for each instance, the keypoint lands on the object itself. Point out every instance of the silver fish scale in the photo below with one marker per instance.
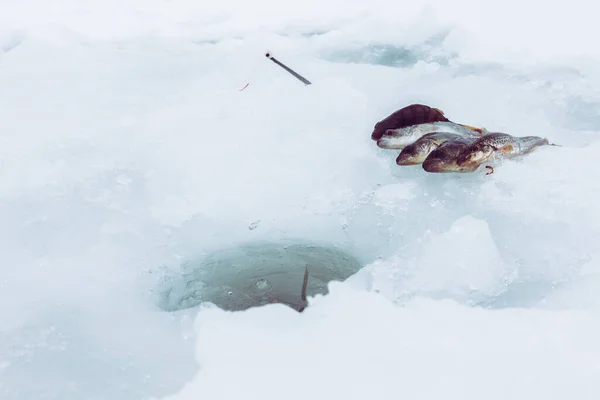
(520, 145)
(402, 137)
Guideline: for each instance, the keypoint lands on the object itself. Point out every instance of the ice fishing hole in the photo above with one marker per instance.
(256, 274)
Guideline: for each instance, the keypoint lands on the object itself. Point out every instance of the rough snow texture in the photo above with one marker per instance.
(127, 148)
(356, 345)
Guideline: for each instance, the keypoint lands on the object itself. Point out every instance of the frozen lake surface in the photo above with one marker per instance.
(129, 156)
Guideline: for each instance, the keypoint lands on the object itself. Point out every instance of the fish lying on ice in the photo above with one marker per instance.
(498, 146)
(402, 137)
(410, 115)
(417, 152)
(443, 159)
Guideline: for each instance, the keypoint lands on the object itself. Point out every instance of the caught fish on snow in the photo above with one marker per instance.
(417, 152)
(495, 146)
(402, 137)
(426, 136)
(443, 159)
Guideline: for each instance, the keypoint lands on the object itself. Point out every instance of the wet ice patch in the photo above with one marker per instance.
(462, 263)
(462, 260)
(390, 55)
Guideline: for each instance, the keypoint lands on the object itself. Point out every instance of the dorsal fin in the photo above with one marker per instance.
(474, 128)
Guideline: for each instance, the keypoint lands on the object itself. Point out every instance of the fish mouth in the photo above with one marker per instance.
(408, 160)
(405, 163)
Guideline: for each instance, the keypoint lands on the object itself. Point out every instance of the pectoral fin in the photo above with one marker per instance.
(474, 128)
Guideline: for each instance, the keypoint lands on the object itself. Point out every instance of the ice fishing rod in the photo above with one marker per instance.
(303, 290)
(288, 69)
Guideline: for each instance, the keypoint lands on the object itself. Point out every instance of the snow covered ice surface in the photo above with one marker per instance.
(127, 148)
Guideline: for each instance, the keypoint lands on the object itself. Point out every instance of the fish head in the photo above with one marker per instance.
(442, 159)
(475, 154)
(437, 164)
(415, 153)
(445, 162)
(441, 165)
(386, 128)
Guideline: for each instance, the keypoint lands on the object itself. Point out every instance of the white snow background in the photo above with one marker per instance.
(126, 147)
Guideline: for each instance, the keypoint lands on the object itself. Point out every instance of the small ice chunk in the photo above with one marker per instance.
(463, 259)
